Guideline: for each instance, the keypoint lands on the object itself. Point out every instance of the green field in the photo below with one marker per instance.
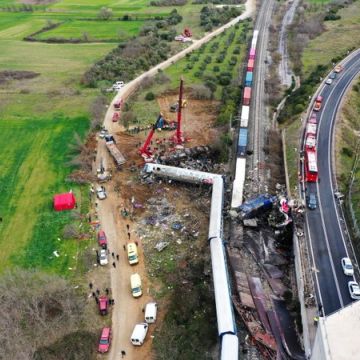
(94, 30)
(340, 35)
(32, 172)
(38, 120)
(39, 116)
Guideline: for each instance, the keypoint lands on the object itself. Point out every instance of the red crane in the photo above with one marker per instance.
(178, 138)
(145, 149)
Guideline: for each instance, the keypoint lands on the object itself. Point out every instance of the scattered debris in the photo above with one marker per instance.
(161, 245)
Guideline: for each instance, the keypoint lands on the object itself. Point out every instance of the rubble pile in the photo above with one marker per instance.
(164, 228)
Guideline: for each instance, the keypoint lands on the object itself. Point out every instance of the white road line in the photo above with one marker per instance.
(320, 207)
(313, 260)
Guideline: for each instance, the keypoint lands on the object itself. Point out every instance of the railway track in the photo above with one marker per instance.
(259, 117)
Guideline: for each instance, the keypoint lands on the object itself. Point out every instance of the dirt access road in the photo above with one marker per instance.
(127, 310)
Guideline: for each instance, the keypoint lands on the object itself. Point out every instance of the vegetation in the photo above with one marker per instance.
(197, 71)
(326, 48)
(347, 140)
(31, 316)
(213, 17)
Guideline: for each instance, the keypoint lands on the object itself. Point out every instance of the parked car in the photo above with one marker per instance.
(332, 76)
(354, 290)
(347, 266)
(311, 201)
(105, 340)
(139, 333)
(101, 193)
(328, 81)
(102, 240)
(103, 133)
(150, 312)
(103, 258)
(135, 283)
(115, 117)
(103, 305)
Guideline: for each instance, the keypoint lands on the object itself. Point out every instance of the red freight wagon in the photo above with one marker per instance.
(247, 96)
(252, 54)
(250, 65)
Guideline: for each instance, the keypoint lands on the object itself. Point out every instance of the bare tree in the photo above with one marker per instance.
(36, 310)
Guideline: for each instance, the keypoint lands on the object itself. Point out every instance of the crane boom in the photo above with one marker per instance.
(144, 150)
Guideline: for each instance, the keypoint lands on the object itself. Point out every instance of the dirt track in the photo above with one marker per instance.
(127, 310)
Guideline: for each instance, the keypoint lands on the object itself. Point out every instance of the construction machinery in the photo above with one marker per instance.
(178, 137)
(187, 32)
(145, 151)
(113, 150)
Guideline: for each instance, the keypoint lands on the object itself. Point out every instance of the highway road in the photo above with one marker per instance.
(325, 226)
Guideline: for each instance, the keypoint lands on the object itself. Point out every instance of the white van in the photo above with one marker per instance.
(139, 333)
(132, 253)
(150, 312)
(135, 282)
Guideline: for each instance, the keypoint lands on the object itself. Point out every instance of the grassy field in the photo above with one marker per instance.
(32, 172)
(95, 30)
(41, 115)
(190, 68)
(38, 119)
(339, 36)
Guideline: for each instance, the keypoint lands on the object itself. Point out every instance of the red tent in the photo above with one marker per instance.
(65, 201)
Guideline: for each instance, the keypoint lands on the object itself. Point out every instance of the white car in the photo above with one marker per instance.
(103, 258)
(139, 334)
(328, 81)
(101, 193)
(354, 290)
(103, 133)
(347, 266)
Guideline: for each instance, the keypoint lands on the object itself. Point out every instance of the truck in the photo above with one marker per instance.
(318, 103)
(247, 96)
(114, 151)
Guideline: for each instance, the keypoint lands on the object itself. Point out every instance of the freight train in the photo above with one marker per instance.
(242, 143)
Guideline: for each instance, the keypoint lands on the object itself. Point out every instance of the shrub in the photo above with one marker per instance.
(347, 152)
(105, 13)
(207, 60)
(216, 68)
(236, 51)
(150, 96)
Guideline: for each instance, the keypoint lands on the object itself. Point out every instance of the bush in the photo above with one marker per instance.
(236, 51)
(105, 14)
(208, 60)
(150, 96)
(198, 74)
(200, 92)
(347, 152)
(216, 68)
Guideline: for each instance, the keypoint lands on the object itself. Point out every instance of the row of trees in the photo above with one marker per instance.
(213, 17)
(137, 55)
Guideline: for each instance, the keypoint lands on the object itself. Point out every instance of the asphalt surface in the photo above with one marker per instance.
(285, 72)
(325, 225)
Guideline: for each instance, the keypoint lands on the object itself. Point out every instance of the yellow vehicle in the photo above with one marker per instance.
(135, 282)
(132, 253)
(174, 107)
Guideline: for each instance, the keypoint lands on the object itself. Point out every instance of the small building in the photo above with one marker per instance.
(64, 201)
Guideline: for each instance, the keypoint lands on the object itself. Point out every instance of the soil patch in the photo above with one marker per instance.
(8, 75)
